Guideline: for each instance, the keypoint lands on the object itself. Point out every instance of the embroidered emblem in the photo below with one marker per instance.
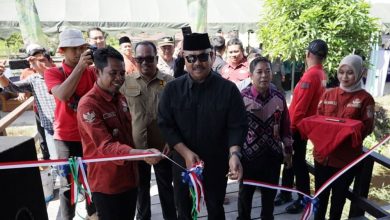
(305, 85)
(109, 115)
(356, 103)
(89, 116)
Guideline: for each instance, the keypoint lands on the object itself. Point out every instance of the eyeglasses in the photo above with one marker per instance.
(203, 57)
(148, 59)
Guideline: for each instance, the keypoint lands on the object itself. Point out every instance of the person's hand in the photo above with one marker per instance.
(22, 96)
(235, 168)
(287, 160)
(85, 59)
(190, 158)
(166, 150)
(152, 160)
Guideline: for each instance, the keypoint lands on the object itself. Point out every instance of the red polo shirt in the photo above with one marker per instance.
(236, 73)
(105, 128)
(65, 122)
(307, 94)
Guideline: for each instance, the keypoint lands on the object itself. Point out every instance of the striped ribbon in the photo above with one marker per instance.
(311, 201)
(193, 177)
(79, 183)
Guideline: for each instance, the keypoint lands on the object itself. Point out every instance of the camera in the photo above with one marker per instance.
(93, 49)
(18, 64)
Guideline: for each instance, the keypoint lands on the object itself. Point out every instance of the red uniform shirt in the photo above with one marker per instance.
(65, 122)
(105, 128)
(357, 105)
(307, 94)
(236, 73)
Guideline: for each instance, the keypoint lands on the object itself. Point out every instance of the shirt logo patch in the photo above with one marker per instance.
(109, 115)
(305, 85)
(89, 117)
(356, 103)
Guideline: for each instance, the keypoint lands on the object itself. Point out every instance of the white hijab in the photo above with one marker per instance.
(356, 64)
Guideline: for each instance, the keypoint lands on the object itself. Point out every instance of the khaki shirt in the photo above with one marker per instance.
(167, 68)
(142, 99)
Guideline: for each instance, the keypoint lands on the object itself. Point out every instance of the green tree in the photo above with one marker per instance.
(288, 26)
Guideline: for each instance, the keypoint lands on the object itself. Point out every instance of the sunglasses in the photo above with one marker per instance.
(148, 59)
(203, 57)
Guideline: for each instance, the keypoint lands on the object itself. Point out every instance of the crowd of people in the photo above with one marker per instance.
(194, 106)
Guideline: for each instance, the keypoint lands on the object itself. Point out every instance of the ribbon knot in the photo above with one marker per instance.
(193, 177)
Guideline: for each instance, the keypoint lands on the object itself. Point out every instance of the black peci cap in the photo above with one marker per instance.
(196, 41)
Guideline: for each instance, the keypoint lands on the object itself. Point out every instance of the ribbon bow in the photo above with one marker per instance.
(311, 206)
(79, 183)
(193, 177)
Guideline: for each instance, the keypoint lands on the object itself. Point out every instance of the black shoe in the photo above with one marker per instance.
(282, 198)
(295, 208)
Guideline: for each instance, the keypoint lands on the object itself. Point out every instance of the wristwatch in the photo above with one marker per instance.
(237, 153)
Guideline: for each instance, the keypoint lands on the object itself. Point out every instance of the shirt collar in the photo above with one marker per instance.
(101, 93)
(191, 82)
(159, 75)
(243, 63)
(256, 93)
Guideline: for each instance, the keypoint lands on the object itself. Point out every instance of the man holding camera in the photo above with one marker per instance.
(68, 83)
(39, 60)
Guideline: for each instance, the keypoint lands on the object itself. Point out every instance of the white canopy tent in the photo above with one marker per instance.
(135, 16)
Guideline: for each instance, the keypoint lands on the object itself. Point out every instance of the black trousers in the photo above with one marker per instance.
(265, 169)
(214, 183)
(163, 172)
(42, 138)
(299, 168)
(339, 190)
(116, 207)
(66, 149)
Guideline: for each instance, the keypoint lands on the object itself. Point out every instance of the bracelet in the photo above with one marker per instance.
(237, 153)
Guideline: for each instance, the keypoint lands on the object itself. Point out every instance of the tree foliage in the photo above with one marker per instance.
(288, 26)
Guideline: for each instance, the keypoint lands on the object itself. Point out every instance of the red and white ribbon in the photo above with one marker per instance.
(310, 206)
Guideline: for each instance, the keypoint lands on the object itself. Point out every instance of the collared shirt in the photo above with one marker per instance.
(307, 94)
(207, 117)
(44, 101)
(164, 67)
(143, 98)
(104, 123)
(269, 124)
(65, 121)
(130, 65)
(236, 73)
(357, 105)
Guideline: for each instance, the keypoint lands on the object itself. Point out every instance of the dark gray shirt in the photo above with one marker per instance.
(218, 64)
(207, 117)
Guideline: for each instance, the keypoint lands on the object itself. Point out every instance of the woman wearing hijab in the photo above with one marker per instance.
(350, 101)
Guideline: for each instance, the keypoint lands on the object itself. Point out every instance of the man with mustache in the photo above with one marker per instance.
(143, 91)
(202, 117)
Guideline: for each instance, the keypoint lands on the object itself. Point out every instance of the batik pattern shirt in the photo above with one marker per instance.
(269, 124)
